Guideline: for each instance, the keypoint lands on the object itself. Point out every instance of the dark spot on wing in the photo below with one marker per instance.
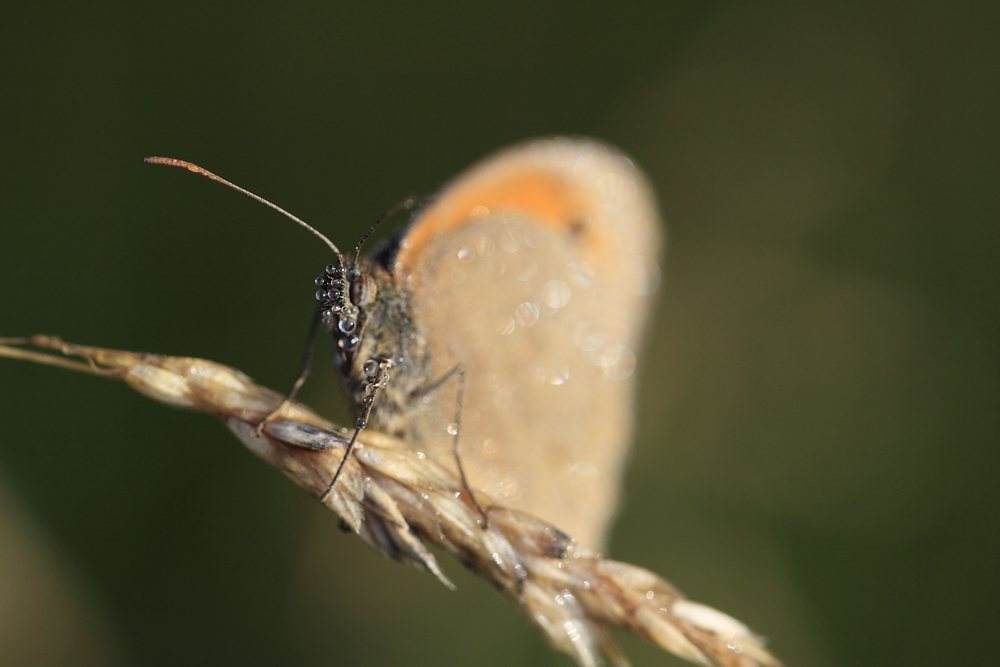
(384, 252)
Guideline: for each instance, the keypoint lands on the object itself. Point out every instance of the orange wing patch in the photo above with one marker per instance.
(540, 195)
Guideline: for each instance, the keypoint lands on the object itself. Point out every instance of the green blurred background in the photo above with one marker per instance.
(817, 451)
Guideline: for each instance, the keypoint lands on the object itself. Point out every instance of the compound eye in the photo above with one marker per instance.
(363, 290)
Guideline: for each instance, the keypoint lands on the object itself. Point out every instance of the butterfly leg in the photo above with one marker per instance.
(454, 446)
(377, 374)
(455, 429)
(303, 372)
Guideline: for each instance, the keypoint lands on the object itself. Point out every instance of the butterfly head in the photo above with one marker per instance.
(344, 295)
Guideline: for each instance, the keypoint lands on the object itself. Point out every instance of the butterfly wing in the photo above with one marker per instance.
(532, 271)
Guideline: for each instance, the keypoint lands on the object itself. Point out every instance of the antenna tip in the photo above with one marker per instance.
(164, 160)
(174, 162)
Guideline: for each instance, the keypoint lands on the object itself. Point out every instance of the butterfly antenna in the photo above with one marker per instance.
(190, 166)
(406, 204)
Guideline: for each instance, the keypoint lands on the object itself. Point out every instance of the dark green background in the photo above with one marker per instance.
(817, 451)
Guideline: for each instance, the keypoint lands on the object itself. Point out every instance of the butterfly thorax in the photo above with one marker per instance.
(370, 328)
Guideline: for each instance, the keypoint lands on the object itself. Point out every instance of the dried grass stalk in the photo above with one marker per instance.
(397, 499)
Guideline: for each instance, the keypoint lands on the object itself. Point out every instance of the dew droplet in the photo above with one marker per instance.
(558, 377)
(535, 238)
(479, 212)
(582, 472)
(580, 332)
(485, 246)
(503, 399)
(535, 375)
(489, 447)
(646, 277)
(526, 271)
(509, 242)
(508, 488)
(526, 314)
(452, 428)
(555, 294)
(579, 274)
(466, 254)
(607, 354)
(622, 366)
(594, 342)
(505, 326)
(617, 188)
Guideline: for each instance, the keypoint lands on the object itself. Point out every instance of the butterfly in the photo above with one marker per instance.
(499, 328)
